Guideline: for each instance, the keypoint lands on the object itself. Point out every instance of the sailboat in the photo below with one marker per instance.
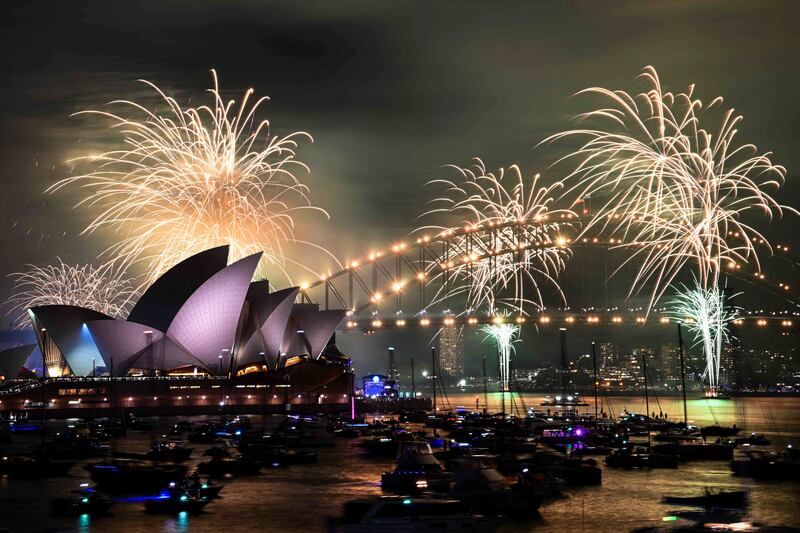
(641, 455)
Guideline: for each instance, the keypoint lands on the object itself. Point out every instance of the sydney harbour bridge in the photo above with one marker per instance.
(421, 281)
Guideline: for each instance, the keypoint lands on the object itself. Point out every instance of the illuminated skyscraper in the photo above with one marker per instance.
(606, 355)
(669, 364)
(451, 351)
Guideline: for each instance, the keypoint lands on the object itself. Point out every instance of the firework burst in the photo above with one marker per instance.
(101, 289)
(505, 335)
(188, 179)
(508, 267)
(708, 318)
(675, 190)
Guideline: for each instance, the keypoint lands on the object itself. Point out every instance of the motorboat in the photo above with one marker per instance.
(272, 453)
(202, 489)
(169, 450)
(139, 424)
(33, 467)
(409, 515)
(486, 491)
(639, 457)
(719, 431)
(573, 470)
(175, 500)
(560, 400)
(88, 502)
(70, 445)
(238, 466)
(753, 439)
(767, 465)
(206, 434)
(695, 448)
(132, 476)
(416, 469)
(183, 426)
(730, 500)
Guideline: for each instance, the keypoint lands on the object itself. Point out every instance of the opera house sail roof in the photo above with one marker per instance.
(13, 359)
(201, 313)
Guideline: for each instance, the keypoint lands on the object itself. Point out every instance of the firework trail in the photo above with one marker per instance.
(483, 270)
(188, 179)
(675, 190)
(707, 317)
(101, 289)
(505, 335)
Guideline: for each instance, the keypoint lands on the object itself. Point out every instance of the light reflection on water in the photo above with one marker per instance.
(299, 498)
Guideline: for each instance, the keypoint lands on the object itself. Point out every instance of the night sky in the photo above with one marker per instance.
(390, 91)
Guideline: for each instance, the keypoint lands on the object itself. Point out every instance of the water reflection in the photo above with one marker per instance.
(307, 495)
(84, 523)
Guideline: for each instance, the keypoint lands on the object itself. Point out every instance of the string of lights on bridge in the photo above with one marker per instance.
(423, 272)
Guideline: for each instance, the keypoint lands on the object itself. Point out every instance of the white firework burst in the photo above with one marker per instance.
(188, 179)
(505, 335)
(524, 251)
(707, 317)
(673, 189)
(101, 289)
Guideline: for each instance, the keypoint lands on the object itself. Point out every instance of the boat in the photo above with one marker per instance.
(486, 491)
(132, 476)
(639, 457)
(169, 450)
(712, 394)
(138, 424)
(234, 467)
(416, 469)
(753, 439)
(408, 515)
(175, 500)
(275, 454)
(183, 426)
(88, 502)
(719, 431)
(731, 500)
(767, 465)
(206, 434)
(33, 467)
(561, 400)
(573, 470)
(75, 446)
(695, 448)
(202, 489)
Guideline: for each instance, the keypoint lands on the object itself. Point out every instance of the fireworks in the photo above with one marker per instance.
(101, 289)
(505, 335)
(707, 317)
(507, 267)
(192, 178)
(673, 189)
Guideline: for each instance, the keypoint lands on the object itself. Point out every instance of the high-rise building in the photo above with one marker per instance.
(451, 351)
(669, 363)
(606, 355)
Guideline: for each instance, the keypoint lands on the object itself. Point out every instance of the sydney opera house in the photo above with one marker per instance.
(200, 330)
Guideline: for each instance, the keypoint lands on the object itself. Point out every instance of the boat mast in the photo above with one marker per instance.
(44, 399)
(433, 376)
(485, 387)
(563, 336)
(683, 376)
(594, 365)
(413, 384)
(646, 398)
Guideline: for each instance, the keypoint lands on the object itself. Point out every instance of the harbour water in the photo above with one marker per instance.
(300, 498)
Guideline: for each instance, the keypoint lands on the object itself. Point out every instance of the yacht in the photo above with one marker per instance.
(408, 515)
(417, 469)
(175, 500)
